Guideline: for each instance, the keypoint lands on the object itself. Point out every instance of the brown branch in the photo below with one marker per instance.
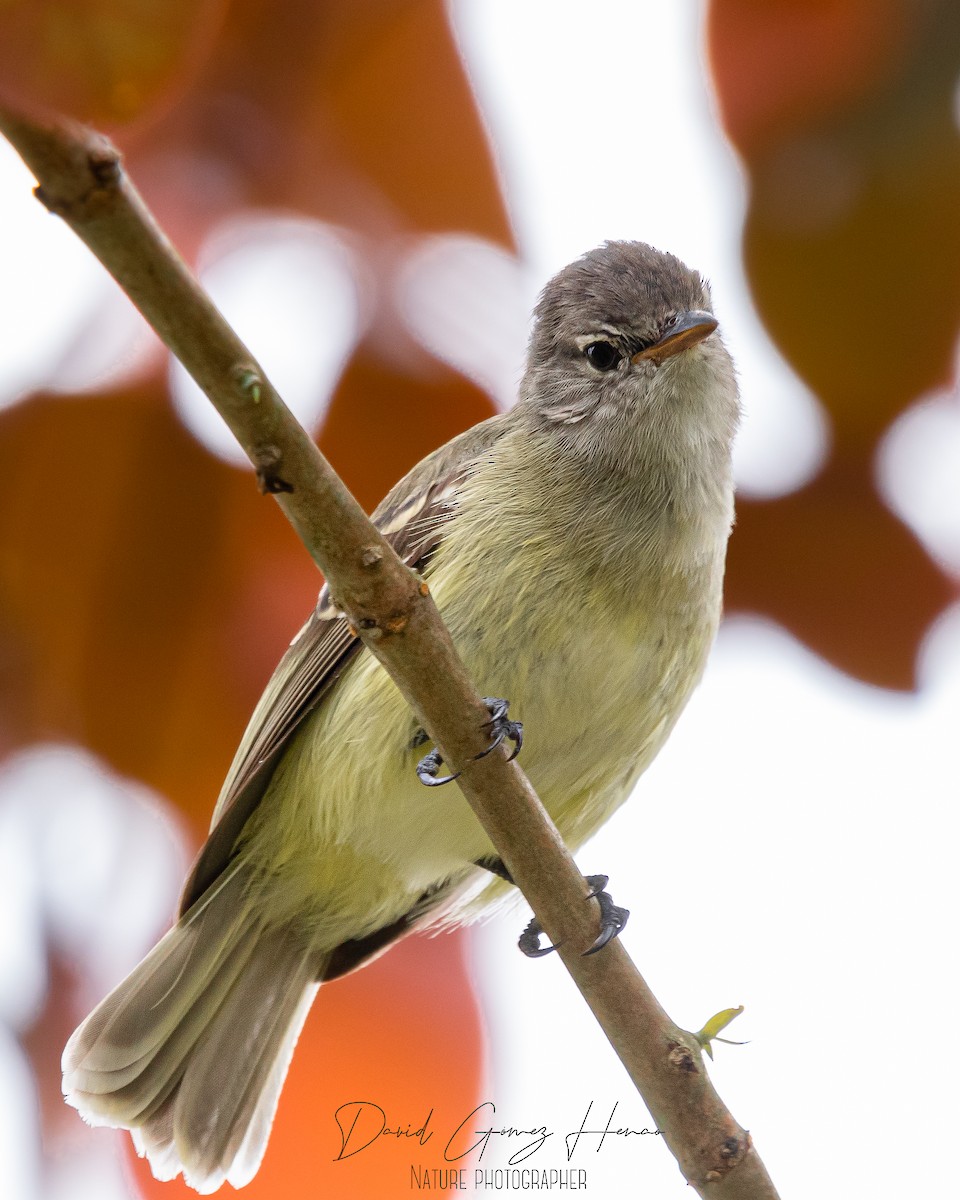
(81, 180)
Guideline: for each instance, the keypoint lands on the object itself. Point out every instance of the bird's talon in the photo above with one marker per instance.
(501, 729)
(612, 920)
(529, 941)
(612, 917)
(597, 885)
(427, 769)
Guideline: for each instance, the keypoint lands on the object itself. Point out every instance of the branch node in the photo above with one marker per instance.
(46, 200)
(682, 1059)
(370, 556)
(731, 1152)
(91, 179)
(248, 380)
(106, 165)
(730, 1147)
(266, 460)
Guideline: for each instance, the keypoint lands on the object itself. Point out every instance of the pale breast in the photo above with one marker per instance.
(598, 683)
(595, 630)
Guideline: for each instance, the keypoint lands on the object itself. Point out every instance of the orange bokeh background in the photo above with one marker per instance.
(147, 589)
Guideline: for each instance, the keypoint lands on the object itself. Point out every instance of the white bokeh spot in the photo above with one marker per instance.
(918, 473)
(287, 287)
(582, 164)
(468, 302)
(52, 290)
(90, 867)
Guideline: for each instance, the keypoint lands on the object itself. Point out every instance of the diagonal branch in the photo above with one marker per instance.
(81, 180)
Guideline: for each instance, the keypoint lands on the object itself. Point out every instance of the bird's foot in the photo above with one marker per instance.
(529, 941)
(428, 770)
(500, 728)
(612, 916)
(612, 920)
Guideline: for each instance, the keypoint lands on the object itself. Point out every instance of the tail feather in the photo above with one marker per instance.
(128, 1093)
(191, 1050)
(259, 1112)
(108, 1048)
(154, 1141)
(216, 1101)
(149, 1080)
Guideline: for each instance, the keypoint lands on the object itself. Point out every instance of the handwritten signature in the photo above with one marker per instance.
(362, 1123)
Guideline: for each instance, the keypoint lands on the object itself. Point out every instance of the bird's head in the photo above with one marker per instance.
(625, 347)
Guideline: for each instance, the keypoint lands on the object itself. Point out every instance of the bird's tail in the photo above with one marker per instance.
(190, 1052)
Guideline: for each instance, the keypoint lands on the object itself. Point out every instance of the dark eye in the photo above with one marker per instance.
(602, 355)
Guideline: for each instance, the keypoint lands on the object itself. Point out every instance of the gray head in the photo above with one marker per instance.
(624, 353)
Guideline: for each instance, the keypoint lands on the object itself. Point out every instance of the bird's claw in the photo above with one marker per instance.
(500, 728)
(529, 941)
(612, 916)
(612, 920)
(427, 769)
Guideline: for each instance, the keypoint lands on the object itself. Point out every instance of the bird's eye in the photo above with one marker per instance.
(602, 355)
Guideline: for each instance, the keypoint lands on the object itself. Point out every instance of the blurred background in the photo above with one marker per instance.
(374, 193)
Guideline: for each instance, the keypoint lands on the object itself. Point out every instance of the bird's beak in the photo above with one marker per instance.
(688, 329)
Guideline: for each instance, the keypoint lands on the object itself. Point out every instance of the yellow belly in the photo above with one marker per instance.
(354, 836)
(597, 656)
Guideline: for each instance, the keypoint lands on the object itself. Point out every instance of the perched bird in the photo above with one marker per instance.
(575, 548)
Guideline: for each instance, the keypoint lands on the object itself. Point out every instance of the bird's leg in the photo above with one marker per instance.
(500, 729)
(612, 917)
(529, 941)
(496, 866)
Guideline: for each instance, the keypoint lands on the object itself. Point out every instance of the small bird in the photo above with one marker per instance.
(575, 547)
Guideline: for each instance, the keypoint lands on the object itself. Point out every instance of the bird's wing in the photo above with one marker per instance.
(411, 517)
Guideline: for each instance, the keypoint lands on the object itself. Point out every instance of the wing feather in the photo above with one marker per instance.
(412, 518)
